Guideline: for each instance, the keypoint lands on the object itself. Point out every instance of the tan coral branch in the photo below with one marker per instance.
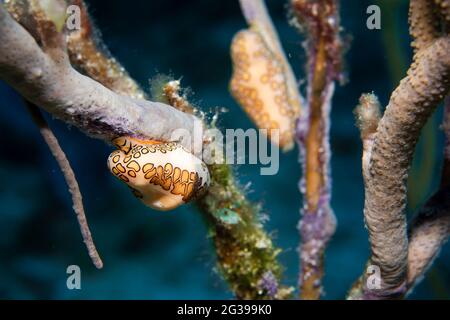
(410, 105)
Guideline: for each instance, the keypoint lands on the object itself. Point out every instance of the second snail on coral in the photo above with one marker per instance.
(264, 85)
(162, 175)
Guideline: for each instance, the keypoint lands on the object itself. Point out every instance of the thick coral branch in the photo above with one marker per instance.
(411, 104)
(320, 21)
(430, 228)
(71, 181)
(54, 85)
(427, 82)
(423, 23)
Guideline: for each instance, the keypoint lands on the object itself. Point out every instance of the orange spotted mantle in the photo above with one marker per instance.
(162, 175)
(260, 84)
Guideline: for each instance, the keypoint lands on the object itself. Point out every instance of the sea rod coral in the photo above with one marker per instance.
(70, 75)
(387, 160)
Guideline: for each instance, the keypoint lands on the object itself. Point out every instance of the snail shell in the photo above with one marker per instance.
(162, 175)
(262, 86)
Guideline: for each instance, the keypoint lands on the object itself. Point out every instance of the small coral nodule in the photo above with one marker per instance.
(368, 114)
(162, 175)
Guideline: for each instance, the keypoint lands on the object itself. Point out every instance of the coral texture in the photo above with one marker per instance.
(402, 259)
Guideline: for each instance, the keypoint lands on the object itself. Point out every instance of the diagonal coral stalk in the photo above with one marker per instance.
(410, 106)
(402, 258)
(430, 229)
(320, 20)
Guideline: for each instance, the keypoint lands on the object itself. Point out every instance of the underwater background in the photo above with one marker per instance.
(167, 255)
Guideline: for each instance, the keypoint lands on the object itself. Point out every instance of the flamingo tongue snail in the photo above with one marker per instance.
(162, 175)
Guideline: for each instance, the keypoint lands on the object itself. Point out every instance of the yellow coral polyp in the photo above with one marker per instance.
(260, 85)
(162, 175)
